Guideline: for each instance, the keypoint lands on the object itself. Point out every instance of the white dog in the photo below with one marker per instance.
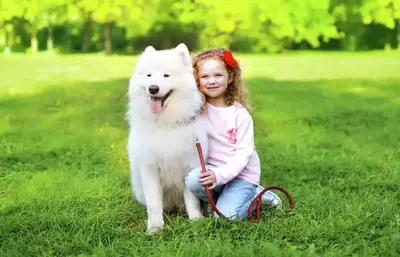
(164, 106)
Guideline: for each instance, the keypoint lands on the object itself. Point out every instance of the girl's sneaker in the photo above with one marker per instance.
(269, 198)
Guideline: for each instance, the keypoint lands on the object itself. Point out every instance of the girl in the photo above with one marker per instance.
(233, 165)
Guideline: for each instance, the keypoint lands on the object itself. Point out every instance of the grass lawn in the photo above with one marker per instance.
(327, 129)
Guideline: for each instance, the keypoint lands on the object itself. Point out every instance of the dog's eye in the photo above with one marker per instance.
(149, 75)
(166, 75)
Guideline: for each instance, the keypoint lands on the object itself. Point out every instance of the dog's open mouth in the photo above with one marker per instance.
(157, 103)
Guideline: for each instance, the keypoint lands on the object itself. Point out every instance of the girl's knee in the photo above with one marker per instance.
(192, 180)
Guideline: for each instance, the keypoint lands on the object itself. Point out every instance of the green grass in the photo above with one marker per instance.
(327, 129)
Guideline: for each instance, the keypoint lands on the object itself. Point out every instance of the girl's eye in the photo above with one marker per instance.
(166, 75)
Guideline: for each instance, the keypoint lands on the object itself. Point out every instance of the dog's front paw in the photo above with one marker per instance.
(195, 214)
(196, 217)
(152, 230)
(192, 205)
(154, 226)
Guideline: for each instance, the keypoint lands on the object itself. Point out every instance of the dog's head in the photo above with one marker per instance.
(163, 78)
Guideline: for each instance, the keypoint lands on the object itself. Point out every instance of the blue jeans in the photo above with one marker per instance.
(232, 199)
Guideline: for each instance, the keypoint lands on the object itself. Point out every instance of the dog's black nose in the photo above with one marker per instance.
(153, 89)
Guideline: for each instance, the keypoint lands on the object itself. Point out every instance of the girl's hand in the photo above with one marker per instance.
(208, 178)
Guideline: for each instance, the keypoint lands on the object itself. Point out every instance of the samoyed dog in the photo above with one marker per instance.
(164, 116)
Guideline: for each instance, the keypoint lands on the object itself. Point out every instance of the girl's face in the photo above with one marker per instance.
(213, 80)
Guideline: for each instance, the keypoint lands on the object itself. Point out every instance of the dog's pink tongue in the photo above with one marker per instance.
(155, 106)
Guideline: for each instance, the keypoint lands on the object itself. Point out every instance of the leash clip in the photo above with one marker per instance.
(195, 138)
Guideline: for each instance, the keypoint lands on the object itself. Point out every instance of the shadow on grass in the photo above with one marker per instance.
(335, 106)
(337, 134)
(66, 126)
(63, 125)
(70, 126)
(63, 167)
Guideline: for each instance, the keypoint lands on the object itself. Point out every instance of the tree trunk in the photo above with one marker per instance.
(34, 40)
(166, 42)
(7, 49)
(398, 34)
(87, 31)
(50, 43)
(107, 35)
(9, 37)
(34, 43)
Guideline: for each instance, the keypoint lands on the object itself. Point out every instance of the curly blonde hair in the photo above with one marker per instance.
(235, 92)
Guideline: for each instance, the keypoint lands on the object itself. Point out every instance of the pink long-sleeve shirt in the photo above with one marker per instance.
(231, 144)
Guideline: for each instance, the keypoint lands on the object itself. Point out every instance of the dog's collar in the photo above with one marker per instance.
(187, 120)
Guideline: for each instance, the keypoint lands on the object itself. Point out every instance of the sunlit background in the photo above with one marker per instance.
(261, 26)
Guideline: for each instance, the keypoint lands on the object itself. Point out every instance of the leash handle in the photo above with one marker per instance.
(258, 201)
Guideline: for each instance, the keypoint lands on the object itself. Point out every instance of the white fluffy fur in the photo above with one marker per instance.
(161, 153)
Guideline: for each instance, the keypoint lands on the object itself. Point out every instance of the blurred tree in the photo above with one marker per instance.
(54, 13)
(275, 25)
(248, 26)
(384, 12)
(141, 17)
(40, 14)
(349, 22)
(264, 27)
(311, 21)
(110, 11)
(396, 7)
(354, 17)
(7, 12)
(82, 11)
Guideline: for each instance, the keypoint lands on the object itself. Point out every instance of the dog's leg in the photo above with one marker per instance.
(192, 204)
(136, 184)
(135, 177)
(153, 194)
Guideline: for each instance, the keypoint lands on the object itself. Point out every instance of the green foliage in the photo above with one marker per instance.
(354, 18)
(311, 21)
(381, 12)
(246, 26)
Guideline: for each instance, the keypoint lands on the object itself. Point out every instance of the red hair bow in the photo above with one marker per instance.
(228, 58)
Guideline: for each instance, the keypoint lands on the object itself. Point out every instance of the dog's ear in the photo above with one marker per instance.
(149, 49)
(184, 54)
